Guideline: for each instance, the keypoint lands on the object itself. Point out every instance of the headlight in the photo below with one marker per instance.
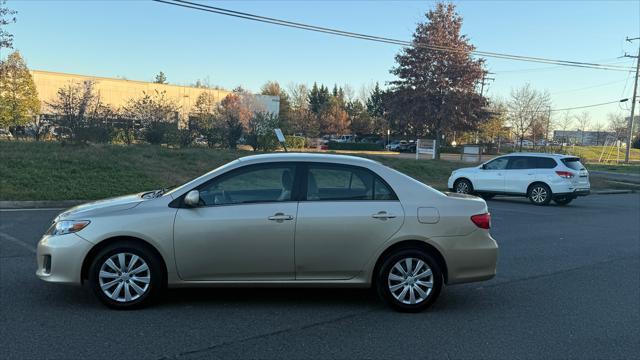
(68, 226)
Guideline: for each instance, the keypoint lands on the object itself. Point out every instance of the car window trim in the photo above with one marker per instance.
(304, 182)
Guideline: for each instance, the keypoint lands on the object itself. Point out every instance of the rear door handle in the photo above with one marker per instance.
(280, 217)
(383, 215)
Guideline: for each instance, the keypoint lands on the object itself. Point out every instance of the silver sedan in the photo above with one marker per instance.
(276, 220)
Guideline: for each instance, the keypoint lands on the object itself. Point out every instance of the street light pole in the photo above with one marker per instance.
(633, 103)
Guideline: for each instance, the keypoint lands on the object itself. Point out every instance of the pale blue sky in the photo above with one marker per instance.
(136, 39)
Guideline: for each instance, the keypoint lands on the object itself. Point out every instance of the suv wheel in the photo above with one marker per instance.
(539, 194)
(563, 200)
(409, 280)
(463, 186)
(126, 275)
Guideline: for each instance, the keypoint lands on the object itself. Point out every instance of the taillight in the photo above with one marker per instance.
(565, 174)
(483, 221)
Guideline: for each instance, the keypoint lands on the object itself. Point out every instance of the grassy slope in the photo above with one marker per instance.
(52, 171)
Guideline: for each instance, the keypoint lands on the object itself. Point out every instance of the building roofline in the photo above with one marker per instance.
(117, 79)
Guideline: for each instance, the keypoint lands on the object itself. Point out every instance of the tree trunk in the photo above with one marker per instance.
(436, 148)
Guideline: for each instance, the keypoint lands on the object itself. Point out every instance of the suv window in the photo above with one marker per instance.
(545, 163)
(573, 163)
(343, 182)
(271, 183)
(497, 164)
(522, 162)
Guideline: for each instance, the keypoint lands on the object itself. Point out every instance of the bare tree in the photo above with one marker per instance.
(583, 120)
(526, 106)
(598, 127)
(617, 124)
(565, 123)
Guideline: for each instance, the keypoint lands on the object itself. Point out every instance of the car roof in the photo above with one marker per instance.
(540, 154)
(290, 156)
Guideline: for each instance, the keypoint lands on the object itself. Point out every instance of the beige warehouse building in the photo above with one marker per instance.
(117, 92)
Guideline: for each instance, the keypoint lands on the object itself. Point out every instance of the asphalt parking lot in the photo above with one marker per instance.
(568, 286)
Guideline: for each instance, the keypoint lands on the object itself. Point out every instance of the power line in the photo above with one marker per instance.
(588, 87)
(336, 32)
(589, 106)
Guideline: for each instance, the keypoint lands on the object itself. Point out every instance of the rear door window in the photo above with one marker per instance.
(573, 163)
(343, 182)
(521, 162)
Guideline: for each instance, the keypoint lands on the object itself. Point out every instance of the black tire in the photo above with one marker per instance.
(463, 186)
(383, 282)
(488, 196)
(563, 200)
(539, 194)
(155, 275)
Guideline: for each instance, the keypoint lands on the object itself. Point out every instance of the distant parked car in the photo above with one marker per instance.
(398, 145)
(346, 139)
(540, 177)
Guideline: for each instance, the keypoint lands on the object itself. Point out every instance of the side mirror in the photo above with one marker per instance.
(484, 166)
(192, 199)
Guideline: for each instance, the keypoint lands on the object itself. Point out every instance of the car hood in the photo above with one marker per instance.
(474, 168)
(100, 207)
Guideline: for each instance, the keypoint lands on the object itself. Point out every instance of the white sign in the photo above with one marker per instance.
(279, 135)
(425, 146)
(471, 153)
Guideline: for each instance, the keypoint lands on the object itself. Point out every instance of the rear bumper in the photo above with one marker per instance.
(470, 258)
(574, 193)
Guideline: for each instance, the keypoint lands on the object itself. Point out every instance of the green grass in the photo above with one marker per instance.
(616, 168)
(53, 171)
(593, 153)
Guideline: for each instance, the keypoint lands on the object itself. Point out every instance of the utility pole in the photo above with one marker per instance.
(627, 154)
(484, 81)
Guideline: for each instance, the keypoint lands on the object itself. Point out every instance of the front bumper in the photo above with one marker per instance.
(60, 258)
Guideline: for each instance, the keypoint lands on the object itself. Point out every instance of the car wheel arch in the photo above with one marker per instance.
(95, 250)
(411, 244)
(537, 182)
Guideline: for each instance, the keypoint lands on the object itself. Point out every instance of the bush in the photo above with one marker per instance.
(179, 137)
(355, 146)
(295, 142)
(94, 134)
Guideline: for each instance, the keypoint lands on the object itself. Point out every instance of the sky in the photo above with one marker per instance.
(137, 39)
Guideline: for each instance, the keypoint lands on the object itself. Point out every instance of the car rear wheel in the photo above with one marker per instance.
(409, 280)
(125, 275)
(563, 200)
(463, 186)
(539, 194)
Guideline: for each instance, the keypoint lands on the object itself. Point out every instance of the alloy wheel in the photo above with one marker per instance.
(539, 194)
(124, 277)
(410, 281)
(462, 187)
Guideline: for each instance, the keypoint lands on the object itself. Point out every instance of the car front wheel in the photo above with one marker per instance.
(409, 280)
(539, 194)
(126, 275)
(463, 186)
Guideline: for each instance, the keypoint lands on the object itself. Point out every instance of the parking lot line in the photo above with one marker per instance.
(5, 236)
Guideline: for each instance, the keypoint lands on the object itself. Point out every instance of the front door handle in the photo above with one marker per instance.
(280, 217)
(383, 215)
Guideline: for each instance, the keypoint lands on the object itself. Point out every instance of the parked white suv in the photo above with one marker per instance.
(540, 177)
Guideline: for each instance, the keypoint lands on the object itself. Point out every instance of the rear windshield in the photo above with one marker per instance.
(573, 163)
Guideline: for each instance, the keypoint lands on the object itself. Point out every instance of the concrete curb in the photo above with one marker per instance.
(41, 204)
